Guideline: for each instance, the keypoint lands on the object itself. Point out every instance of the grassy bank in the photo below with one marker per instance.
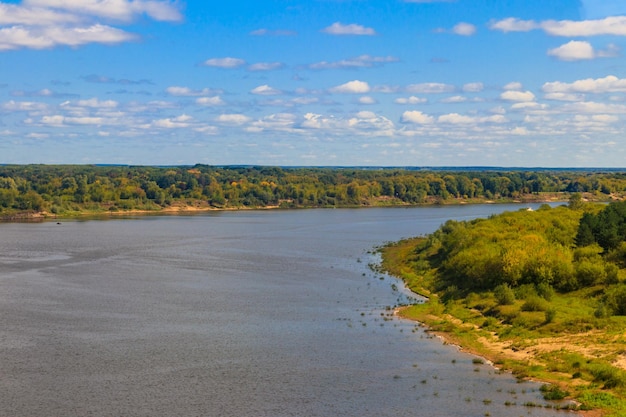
(561, 337)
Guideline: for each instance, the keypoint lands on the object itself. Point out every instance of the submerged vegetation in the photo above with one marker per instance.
(541, 293)
(64, 190)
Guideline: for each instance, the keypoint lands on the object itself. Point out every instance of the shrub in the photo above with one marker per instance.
(504, 294)
(550, 315)
(535, 303)
(553, 392)
(590, 272)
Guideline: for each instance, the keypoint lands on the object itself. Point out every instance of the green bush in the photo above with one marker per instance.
(535, 303)
(504, 294)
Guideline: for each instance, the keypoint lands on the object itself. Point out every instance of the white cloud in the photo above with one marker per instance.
(265, 66)
(265, 90)
(28, 106)
(473, 87)
(573, 51)
(455, 118)
(528, 105)
(276, 122)
(363, 123)
(40, 24)
(338, 28)
(96, 103)
(430, 88)
(210, 101)
(179, 122)
(591, 107)
(612, 25)
(235, 119)
(513, 86)
(608, 84)
(123, 10)
(277, 32)
(522, 96)
(188, 92)
(13, 14)
(564, 97)
(367, 100)
(460, 119)
(454, 99)
(410, 100)
(227, 62)
(362, 61)
(512, 24)
(352, 87)
(416, 117)
(464, 29)
(17, 37)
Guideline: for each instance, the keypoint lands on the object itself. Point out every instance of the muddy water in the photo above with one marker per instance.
(271, 313)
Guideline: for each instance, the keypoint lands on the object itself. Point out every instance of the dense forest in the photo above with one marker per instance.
(546, 286)
(66, 189)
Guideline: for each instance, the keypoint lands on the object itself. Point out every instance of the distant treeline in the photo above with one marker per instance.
(77, 188)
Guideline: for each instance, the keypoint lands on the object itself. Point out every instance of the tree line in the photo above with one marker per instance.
(66, 188)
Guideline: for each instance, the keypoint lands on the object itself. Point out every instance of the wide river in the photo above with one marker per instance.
(248, 313)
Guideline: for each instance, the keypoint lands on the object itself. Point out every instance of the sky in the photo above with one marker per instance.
(506, 83)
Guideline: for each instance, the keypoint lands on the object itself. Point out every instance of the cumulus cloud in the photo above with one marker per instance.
(464, 29)
(17, 37)
(608, 84)
(580, 50)
(362, 61)
(455, 99)
(418, 117)
(227, 62)
(122, 10)
(265, 66)
(277, 32)
(265, 90)
(430, 88)
(367, 100)
(178, 122)
(234, 119)
(338, 28)
(188, 92)
(410, 100)
(521, 96)
(41, 24)
(28, 106)
(573, 51)
(352, 87)
(612, 25)
(564, 97)
(513, 86)
(512, 24)
(210, 101)
(473, 87)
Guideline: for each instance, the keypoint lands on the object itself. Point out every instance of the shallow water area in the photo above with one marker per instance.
(255, 313)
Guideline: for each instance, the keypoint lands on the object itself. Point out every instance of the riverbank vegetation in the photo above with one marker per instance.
(66, 190)
(541, 293)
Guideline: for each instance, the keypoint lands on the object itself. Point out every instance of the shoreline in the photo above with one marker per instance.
(492, 356)
(200, 207)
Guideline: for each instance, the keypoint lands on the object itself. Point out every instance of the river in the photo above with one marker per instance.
(246, 313)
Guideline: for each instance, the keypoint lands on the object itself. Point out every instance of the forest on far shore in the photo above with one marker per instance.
(74, 189)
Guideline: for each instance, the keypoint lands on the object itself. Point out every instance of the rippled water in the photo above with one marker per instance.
(255, 313)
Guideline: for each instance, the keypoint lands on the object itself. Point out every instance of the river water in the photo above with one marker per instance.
(249, 313)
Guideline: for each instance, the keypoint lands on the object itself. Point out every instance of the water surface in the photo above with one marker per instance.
(252, 313)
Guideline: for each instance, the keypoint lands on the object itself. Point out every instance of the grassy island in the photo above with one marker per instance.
(540, 293)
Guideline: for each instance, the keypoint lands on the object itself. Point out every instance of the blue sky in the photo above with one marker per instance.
(521, 83)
